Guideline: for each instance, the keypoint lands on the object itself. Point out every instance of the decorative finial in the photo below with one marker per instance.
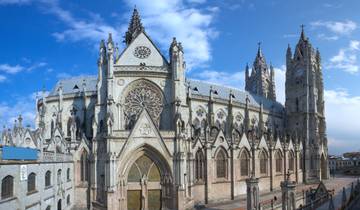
(259, 54)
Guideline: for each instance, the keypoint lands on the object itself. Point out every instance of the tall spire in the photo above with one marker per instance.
(259, 52)
(135, 27)
(303, 37)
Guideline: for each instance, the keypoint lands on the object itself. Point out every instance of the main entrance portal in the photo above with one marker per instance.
(144, 186)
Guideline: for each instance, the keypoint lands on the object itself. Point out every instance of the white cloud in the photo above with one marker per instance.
(342, 114)
(36, 66)
(23, 105)
(14, 69)
(6, 68)
(346, 58)
(328, 38)
(237, 80)
(193, 27)
(2, 78)
(280, 83)
(93, 29)
(16, 2)
(234, 80)
(338, 27)
(63, 75)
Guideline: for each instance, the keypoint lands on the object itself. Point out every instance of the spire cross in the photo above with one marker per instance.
(302, 26)
(259, 44)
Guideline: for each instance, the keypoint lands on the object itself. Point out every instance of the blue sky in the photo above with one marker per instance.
(44, 41)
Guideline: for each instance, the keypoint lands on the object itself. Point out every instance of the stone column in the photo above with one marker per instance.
(252, 183)
(252, 197)
(288, 190)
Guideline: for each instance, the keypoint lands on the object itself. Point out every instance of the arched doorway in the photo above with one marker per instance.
(145, 185)
(59, 205)
(323, 164)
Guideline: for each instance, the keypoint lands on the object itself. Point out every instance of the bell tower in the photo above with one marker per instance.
(305, 106)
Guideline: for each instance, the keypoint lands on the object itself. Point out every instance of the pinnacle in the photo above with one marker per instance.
(135, 27)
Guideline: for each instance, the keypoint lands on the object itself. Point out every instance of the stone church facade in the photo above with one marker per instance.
(143, 136)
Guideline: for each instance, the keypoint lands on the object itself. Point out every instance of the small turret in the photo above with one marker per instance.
(135, 27)
(288, 55)
(260, 81)
(272, 93)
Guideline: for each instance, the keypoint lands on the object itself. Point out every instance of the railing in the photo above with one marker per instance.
(51, 156)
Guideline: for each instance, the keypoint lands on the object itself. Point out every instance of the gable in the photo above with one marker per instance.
(145, 133)
(263, 144)
(142, 50)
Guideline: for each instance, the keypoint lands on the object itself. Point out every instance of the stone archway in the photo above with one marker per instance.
(148, 182)
(323, 164)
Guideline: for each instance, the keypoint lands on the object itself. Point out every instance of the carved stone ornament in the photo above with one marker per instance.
(238, 118)
(142, 52)
(145, 129)
(220, 115)
(143, 95)
(200, 112)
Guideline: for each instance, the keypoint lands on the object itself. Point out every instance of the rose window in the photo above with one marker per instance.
(142, 52)
(143, 96)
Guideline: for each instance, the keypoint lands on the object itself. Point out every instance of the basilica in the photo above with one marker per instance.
(141, 135)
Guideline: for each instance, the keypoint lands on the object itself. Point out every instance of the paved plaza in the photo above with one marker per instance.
(335, 184)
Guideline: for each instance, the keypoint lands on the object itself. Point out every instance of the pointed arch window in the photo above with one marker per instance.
(244, 163)
(301, 164)
(84, 167)
(291, 161)
(199, 165)
(278, 162)
(263, 163)
(7, 187)
(221, 164)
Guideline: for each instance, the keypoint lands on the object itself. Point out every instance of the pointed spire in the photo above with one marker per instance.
(110, 43)
(288, 51)
(135, 27)
(302, 36)
(259, 52)
(318, 56)
(102, 44)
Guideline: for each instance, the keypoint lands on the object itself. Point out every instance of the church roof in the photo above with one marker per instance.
(75, 84)
(203, 88)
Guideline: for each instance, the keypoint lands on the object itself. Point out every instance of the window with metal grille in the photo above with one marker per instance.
(7, 187)
(31, 182)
